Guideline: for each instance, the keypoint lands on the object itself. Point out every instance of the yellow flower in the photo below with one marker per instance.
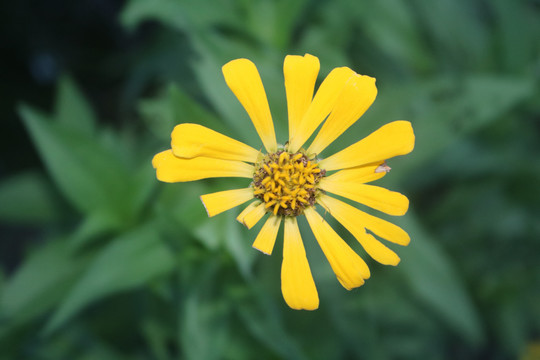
(289, 180)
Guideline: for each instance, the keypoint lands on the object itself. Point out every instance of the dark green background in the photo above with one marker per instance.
(100, 261)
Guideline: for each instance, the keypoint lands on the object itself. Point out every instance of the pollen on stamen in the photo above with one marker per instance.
(287, 183)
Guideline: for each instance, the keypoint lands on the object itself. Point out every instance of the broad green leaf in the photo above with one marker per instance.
(158, 115)
(393, 24)
(518, 30)
(210, 77)
(72, 110)
(203, 318)
(188, 15)
(328, 40)
(167, 11)
(263, 320)
(186, 109)
(101, 351)
(142, 187)
(461, 45)
(2, 283)
(209, 232)
(511, 321)
(237, 241)
(157, 337)
(173, 107)
(262, 20)
(434, 279)
(80, 342)
(180, 204)
(127, 262)
(475, 103)
(215, 51)
(27, 198)
(273, 22)
(90, 177)
(41, 281)
(442, 112)
(204, 327)
(95, 225)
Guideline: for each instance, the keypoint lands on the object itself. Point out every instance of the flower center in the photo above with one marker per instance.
(287, 182)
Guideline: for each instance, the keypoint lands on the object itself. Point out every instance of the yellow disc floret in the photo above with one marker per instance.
(287, 183)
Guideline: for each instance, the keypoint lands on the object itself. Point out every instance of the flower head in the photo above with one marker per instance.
(290, 180)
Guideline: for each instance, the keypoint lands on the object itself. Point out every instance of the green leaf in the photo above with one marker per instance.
(89, 176)
(225, 232)
(518, 30)
(204, 327)
(80, 342)
(156, 336)
(2, 283)
(72, 110)
(127, 262)
(40, 282)
(435, 281)
(173, 107)
(467, 106)
(216, 50)
(158, 115)
(393, 27)
(465, 44)
(236, 241)
(208, 231)
(27, 199)
(179, 206)
(263, 320)
(272, 22)
(186, 109)
(210, 77)
(167, 11)
(442, 111)
(93, 226)
(140, 190)
(188, 15)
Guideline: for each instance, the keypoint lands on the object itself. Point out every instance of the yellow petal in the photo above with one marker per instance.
(170, 168)
(297, 283)
(396, 138)
(300, 74)
(245, 82)
(349, 268)
(360, 175)
(377, 250)
(348, 216)
(192, 140)
(252, 214)
(378, 198)
(320, 107)
(357, 96)
(247, 210)
(379, 227)
(219, 202)
(267, 236)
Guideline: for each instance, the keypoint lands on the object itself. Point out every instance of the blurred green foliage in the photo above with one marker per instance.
(127, 268)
